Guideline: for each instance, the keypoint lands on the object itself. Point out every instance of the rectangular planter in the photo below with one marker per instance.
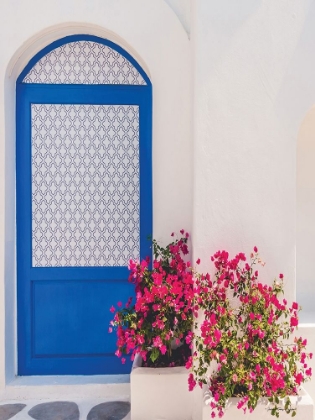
(305, 410)
(160, 393)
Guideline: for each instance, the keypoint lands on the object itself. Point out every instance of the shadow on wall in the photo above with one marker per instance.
(229, 16)
(305, 211)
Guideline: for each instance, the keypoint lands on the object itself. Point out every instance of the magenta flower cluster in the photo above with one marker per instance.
(162, 316)
(242, 344)
(245, 345)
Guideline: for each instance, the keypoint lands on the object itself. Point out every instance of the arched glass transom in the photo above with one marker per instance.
(84, 62)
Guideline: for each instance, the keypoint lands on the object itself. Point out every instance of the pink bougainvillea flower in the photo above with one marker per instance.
(191, 382)
(245, 323)
(163, 349)
(189, 363)
(243, 335)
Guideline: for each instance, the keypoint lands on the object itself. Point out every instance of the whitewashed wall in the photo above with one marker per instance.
(250, 62)
(182, 10)
(155, 36)
(305, 227)
(254, 67)
(305, 233)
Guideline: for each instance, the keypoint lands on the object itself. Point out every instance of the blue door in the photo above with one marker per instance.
(84, 201)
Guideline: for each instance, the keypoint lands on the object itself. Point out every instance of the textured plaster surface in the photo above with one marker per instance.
(250, 61)
(253, 84)
(305, 226)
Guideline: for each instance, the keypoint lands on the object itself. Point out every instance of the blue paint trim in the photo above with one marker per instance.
(75, 366)
(146, 204)
(72, 94)
(82, 37)
(116, 274)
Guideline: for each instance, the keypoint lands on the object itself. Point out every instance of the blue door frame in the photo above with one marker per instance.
(43, 290)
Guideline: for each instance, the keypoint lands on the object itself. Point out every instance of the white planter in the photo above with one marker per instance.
(304, 409)
(160, 393)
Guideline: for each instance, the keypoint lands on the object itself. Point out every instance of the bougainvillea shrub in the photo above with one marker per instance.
(245, 346)
(159, 320)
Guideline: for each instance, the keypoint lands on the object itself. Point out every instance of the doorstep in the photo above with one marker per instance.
(66, 397)
(54, 387)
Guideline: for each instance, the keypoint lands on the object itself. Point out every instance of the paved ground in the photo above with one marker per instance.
(65, 410)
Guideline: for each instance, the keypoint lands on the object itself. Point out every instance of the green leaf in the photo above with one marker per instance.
(154, 354)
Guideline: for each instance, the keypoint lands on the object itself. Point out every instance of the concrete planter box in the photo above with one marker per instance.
(160, 393)
(304, 409)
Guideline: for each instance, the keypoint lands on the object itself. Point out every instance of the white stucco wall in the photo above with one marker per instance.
(305, 228)
(182, 11)
(305, 233)
(253, 66)
(153, 34)
(245, 129)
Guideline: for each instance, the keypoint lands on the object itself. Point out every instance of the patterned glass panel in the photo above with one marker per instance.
(84, 62)
(85, 185)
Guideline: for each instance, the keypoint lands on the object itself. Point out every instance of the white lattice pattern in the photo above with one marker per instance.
(84, 62)
(85, 185)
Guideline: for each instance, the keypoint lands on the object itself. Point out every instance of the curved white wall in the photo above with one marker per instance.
(182, 10)
(152, 33)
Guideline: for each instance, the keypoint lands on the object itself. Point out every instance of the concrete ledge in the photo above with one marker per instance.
(307, 330)
(305, 409)
(160, 393)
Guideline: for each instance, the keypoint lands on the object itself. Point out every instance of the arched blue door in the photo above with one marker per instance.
(84, 201)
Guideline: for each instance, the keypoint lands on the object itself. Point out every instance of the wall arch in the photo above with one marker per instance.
(38, 41)
(164, 53)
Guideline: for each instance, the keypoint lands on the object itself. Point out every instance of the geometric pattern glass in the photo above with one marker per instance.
(84, 62)
(85, 185)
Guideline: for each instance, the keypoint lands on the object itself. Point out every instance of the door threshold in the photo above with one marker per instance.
(107, 387)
